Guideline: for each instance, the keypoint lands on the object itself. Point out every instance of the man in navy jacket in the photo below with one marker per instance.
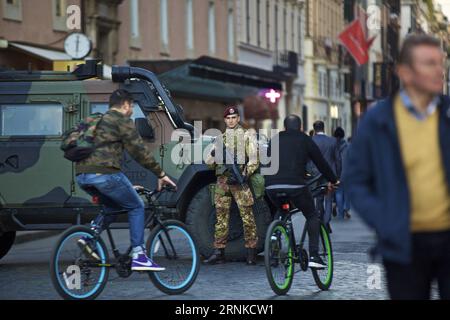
(382, 169)
(330, 150)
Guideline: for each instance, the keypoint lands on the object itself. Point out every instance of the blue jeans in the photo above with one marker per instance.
(118, 188)
(341, 202)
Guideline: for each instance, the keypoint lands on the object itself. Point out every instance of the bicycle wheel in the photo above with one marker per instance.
(278, 258)
(173, 247)
(324, 277)
(76, 276)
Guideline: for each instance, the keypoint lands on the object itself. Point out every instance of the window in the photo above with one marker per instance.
(230, 33)
(59, 15)
(31, 120)
(258, 21)
(319, 83)
(285, 32)
(247, 20)
(164, 16)
(300, 35)
(212, 28)
(276, 29)
(333, 85)
(189, 25)
(268, 24)
(322, 83)
(325, 84)
(292, 31)
(135, 40)
(12, 9)
(60, 8)
(102, 107)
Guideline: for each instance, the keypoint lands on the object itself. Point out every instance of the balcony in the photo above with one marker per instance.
(326, 49)
(286, 63)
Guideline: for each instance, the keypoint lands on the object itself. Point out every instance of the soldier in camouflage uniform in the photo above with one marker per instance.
(115, 133)
(242, 144)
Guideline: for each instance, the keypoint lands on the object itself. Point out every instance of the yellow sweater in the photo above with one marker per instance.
(422, 158)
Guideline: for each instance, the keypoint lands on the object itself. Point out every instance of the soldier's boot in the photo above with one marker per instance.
(216, 258)
(251, 257)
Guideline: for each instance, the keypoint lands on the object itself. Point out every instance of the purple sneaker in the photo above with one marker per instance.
(142, 263)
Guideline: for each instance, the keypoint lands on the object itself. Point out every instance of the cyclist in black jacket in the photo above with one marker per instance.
(295, 150)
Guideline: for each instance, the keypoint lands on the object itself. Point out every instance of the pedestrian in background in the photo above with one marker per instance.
(342, 203)
(330, 151)
(398, 174)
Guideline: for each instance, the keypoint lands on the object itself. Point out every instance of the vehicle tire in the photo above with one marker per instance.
(324, 277)
(201, 219)
(6, 242)
(71, 235)
(187, 264)
(279, 258)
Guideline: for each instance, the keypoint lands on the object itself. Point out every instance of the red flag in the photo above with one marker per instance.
(354, 39)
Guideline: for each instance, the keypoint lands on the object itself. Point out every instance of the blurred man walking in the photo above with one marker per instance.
(398, 174)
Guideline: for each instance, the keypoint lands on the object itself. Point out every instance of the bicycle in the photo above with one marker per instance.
(281, 251)
(78, 276)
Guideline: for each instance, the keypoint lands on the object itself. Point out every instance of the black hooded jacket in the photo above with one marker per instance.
(295, 150)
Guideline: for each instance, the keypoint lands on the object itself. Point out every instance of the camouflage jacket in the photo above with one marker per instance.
(121, 133)
(243, 140)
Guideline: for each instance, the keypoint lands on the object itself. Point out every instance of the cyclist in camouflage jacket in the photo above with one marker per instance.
(115, 133)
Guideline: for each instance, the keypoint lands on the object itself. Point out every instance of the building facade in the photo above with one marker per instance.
(26, 27)
(270, 36)
(289, 46)
(376, 79)
(325, 70)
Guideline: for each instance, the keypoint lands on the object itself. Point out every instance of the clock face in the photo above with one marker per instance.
(77, 45)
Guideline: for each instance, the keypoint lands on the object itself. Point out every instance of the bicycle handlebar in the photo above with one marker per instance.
(313, 179)
(150, 193)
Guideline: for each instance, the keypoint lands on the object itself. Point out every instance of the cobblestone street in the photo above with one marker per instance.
(24, 274)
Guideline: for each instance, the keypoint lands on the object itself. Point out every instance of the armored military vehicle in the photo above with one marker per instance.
(37, 185)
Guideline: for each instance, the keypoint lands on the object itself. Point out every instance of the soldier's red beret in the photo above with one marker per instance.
(230, 111)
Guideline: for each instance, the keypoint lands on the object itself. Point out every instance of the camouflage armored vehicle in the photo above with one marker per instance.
(37, 185)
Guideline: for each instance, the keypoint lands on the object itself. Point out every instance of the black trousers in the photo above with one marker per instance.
(430, 262)
(303, 200)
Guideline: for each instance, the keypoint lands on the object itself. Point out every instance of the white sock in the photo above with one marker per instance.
(137, 251)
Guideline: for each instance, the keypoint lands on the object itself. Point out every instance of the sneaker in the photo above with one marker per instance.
(347, 215)
(88, 247)
(316, 262)
(141, 262)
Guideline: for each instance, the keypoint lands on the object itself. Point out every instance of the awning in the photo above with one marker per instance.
(46, 54)
(212, 79)
(54, 56)
(180, 82)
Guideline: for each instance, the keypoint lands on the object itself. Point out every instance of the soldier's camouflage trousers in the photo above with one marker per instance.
(244, 199)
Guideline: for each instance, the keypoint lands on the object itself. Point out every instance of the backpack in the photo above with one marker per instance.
(78, 143)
